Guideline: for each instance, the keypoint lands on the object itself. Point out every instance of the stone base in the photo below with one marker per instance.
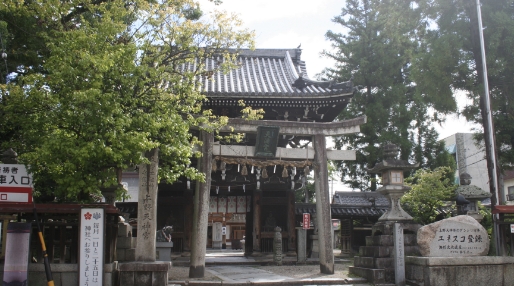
(144, 273)
(459, 271)
(163, 251)
(375, 276)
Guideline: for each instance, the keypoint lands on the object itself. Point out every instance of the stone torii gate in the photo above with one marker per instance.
(318, 131)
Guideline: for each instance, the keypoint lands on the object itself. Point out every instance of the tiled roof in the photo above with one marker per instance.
(358, 199)
(346, 211)
(267, 73)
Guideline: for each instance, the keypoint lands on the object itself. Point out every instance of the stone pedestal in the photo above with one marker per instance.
(163, 250)
(376, 260)
(459, 271)
(314, 246)
(302, 245)
(144, 273)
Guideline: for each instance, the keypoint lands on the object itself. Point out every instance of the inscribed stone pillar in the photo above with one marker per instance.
(147, 207)
(257, 195)
(201, 209)
(323, 212)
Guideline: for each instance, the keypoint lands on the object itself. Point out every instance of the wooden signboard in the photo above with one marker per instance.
(267, 140)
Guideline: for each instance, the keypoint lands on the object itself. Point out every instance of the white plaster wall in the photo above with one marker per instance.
(470, 158)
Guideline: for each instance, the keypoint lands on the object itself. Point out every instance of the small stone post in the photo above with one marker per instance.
(277, 246)
(301, 238)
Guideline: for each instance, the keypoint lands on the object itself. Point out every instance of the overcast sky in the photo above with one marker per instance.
(285, 24)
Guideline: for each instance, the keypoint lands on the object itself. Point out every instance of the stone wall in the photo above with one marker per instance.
(63, 274)
(459, 271)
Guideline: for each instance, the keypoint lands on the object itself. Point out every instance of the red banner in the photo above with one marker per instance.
(306, 221)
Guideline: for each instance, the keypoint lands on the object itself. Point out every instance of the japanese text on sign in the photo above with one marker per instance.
(14, 175)
(306, 220)
(91, 247)
(459, 240)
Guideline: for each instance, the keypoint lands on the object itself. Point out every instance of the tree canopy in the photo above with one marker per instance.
(92, 85)
(380, 44)
(429, 194)
(454, 56)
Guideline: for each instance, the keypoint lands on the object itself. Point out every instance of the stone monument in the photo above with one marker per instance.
(145, 270)
(454, 252)
(376, 260)
(457, 236)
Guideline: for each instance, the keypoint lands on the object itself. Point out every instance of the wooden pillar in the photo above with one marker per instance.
(323, 212)
(201, 209)
(291, 233)
(257, 196)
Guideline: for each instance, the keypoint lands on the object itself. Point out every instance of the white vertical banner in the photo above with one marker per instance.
(92, 230)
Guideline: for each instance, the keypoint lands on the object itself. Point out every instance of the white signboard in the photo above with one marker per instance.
(91, 246)
(15, 184)
(512, 228)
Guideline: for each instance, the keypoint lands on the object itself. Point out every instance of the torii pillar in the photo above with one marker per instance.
(323, 211)
(324, 219)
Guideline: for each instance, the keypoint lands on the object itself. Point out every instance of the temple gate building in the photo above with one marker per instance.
(252, 183)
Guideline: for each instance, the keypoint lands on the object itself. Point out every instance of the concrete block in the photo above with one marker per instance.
(508, 274)
(127, 278)
(375, 251)
(120, 254)
(130, 254)
(144, 266)
(480, 275)
(414, 273)
(159, 278)
(143, 278)
(126, 242)
(124, 230)
(69, 278)
(440, 276)
(380, 240)
(376, 276)
(108, 279)
(410, 239)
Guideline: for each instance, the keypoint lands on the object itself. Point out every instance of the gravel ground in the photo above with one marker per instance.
(293, 271)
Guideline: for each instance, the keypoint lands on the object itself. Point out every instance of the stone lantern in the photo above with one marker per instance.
(393, 188)
(473, 194)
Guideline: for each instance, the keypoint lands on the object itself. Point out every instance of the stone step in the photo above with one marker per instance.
(386, 251)
(372, 262)
(374, 276)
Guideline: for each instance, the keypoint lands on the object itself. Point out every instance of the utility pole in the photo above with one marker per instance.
(489, 137)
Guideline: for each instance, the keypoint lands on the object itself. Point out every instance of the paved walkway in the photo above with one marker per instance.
(234, 269)
(245, 274)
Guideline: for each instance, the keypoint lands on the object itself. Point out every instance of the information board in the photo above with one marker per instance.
(92, 226)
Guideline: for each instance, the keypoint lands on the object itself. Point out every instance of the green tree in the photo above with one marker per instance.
(451, 60)
(381, 41)
(111, 80)
(429, 194)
